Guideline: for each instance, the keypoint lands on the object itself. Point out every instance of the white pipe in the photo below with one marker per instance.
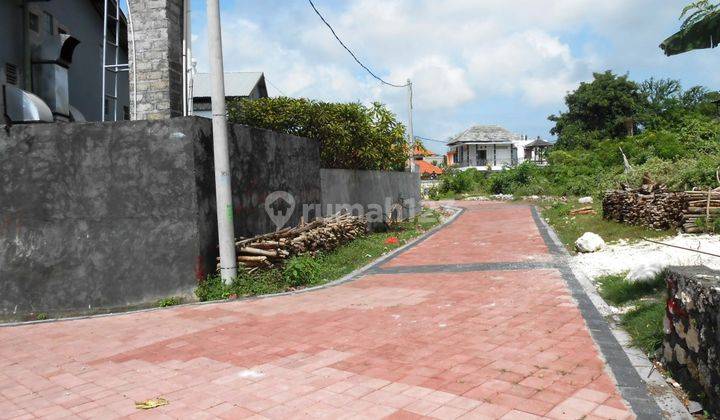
(223, 192)
(134, 61)
(185, 58)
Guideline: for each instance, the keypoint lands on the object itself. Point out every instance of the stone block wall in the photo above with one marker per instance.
(691, 347)
(158, 27)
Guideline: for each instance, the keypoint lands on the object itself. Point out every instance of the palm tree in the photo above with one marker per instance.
(700, 28)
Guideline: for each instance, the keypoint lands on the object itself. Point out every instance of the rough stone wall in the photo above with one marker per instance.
(158, 27)
(691, 348)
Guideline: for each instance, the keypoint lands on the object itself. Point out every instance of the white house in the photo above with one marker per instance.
(484, 147)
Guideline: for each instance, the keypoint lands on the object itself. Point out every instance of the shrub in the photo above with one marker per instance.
(301, 271)
(351, 135)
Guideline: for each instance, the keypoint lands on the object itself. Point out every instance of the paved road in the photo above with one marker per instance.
(474, 322)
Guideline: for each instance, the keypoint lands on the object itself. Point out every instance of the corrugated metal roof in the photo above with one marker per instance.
(236, 84)
(485, 134)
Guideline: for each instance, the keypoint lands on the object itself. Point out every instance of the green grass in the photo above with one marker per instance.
(645, 325)
(644, 322)
(305, 271)
(618, 291)
(569, 228)
(171, 301)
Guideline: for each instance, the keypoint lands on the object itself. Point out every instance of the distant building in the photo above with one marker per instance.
(238, 85)
(427, 162)
(61, 63)
(484, 147)
(537, 151)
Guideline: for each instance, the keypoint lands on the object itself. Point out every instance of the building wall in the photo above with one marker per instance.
(81, 20)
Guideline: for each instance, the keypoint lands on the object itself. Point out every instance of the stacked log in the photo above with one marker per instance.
(703, 208)
(272, 249)
(651, 206)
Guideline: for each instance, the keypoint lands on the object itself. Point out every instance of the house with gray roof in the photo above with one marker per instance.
(485, 148)
(537, 151)
(238, 85)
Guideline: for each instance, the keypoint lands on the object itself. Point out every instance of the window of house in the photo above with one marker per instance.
(11, 75)
(34, 22)
(48, 23)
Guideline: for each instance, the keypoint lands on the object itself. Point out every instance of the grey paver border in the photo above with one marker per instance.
(354, 275)
(631, 385)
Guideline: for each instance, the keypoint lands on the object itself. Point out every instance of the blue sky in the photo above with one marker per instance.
(471, 61)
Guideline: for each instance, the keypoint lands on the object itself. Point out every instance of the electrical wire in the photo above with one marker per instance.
(429, 139)
(351, 53)
(276, 88)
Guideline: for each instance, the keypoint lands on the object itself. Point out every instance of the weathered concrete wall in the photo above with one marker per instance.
(102, 215)
(264, 162)
(691, 348)
(107, 215)
(370, 190)
(158, 26)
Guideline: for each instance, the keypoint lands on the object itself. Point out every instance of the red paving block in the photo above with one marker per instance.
(444, 344)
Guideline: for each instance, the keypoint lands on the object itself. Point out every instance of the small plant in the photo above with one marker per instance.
(645, 325)
(41, 316)
(171, 301)
(301, 271)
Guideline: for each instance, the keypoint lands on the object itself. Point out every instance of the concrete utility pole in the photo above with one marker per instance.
(223, 192)
(410, 126)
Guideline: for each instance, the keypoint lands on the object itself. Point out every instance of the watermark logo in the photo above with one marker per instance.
(280, 206)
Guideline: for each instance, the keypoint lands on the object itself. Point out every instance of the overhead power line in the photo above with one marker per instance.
(435, 140)
(351, 53)
(276, 88)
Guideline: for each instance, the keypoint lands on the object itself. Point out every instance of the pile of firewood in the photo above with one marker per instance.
(703, 207)
(324, 234)
(651, 205)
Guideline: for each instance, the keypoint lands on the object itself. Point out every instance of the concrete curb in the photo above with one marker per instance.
(645, 390)
(354, 275)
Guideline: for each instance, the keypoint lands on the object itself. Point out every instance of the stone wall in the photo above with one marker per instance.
(158, 27)
(691, 348)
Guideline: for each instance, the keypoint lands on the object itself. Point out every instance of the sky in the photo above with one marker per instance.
(508, 63)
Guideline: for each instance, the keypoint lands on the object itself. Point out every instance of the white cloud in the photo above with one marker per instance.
(464, 56)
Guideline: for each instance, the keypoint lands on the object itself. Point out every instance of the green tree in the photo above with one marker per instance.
(608, 106)
(351, 136)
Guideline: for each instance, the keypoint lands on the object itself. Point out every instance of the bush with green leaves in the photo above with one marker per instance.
(301, 271)
(351, 135)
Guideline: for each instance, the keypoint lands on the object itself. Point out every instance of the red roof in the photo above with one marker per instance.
(428, 168)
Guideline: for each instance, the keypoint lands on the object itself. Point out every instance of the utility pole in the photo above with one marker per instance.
(223, 193)
(410, 126)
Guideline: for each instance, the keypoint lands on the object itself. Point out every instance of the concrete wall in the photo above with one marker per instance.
(108, 215)
(102, 215)
(366, 190)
